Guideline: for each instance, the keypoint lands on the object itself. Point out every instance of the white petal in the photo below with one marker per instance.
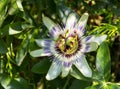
(89, 47)
(71, 21)
(40, 42)
(100, 39)
(97, 39)
(48, 23)
(83, 67)
(39, 53)
(64, 13)
(43, 43)
(56, 31)
(82, 22)
(65, 71)
(88, 39)
(54, 71)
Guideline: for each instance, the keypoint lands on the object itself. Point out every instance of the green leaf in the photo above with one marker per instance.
(103, 62)
(9, 83)
(12, 85)
(4, 31)
(41, 67)
(79, 84)
(4, 79)
(112, 86)
(23, 83)
(94, 87)
(3, 5)
(3, 10)
(15, 28)
(1, 87)
(13, 9)
(19, 4)
(18, 27)
(104, 86)
(22, 51)
(3, 47)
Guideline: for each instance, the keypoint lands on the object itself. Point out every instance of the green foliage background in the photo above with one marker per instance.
(21, 23)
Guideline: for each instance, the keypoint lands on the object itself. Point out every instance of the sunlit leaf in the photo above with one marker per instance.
(4, 79)
(9, 83)
(22, 51)
(3, 10)
(113, 86)
(17, 27)
(14, 28)
(19, 4)
(13, 9)
(104, 86)
(3, 4)
(13, 31)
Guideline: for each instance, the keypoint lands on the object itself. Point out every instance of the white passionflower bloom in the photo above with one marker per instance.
(67, 45)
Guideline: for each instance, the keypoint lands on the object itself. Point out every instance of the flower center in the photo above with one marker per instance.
(67, 44)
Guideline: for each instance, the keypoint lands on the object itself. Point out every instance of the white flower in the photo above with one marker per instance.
(67, 46)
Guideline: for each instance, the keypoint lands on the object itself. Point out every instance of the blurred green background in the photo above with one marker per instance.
(21, 23)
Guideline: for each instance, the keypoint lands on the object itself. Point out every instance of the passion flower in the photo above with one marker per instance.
(67, 46)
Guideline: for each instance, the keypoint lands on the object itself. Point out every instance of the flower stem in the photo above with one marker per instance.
(67, 81)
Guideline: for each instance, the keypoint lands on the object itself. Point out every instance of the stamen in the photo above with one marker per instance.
(67, 44)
